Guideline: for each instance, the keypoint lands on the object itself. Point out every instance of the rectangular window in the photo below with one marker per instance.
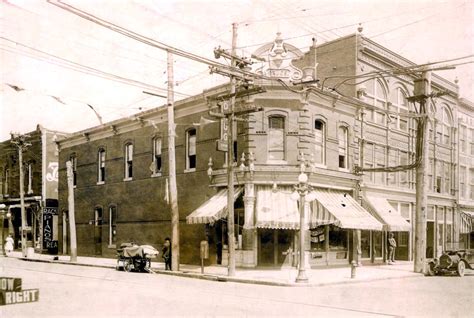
(319, 141)
(7, 179)
(128, 161)
(368, 161)
(447, 178)
(30, 177)
(343, 145)
(276, 138)
(403, 174)
(380, 163)
(156, 155)
(392, 162)
(101, 166)
(191, 149)
(73, 160)
(462, 182)
(471, 183)
(112, 225)
(462, 138)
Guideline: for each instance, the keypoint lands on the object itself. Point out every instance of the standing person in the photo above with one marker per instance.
(8, 244)
(392, 244)
(167, 253)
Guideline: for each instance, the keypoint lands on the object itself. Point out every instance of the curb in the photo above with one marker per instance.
(220, 278)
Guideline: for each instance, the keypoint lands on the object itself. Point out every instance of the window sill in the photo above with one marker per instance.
(127, 179)
(112, 246)
(276, 162)
(157, 174)
(344, 170)
(190, 170)
(100, 182)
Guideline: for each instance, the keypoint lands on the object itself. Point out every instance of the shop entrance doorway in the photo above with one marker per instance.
(273, 246)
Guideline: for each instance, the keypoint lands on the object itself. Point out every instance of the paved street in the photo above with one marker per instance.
(86, 291)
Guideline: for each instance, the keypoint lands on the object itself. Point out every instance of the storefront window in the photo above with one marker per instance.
(337, 238)
(377, 236)
(365, 243)
(318, 239)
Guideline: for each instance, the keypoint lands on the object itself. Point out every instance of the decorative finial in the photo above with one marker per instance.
(456, 80)
(314, 41)
(251, 163)
(360, 28)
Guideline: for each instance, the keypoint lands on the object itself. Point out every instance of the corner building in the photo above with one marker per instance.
(121, 168)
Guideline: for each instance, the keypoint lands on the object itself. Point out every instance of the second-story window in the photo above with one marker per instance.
(191, 149)
(7, 179)
(73, 160)
(319, 141)
(276, 138)
(128, 161)
(29, 174)
(156, 155)
(343, 147)
(462, 138)
(101, 166)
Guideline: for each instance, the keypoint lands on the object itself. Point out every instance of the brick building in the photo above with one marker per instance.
(120, 168)
(40, 163)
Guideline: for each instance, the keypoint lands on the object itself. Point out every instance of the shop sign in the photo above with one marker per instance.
(50, 229)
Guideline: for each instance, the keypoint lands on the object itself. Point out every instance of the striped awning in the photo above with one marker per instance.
(213, 209)
(467, 221)
(385, 213)
(340, 209)
(275, 209)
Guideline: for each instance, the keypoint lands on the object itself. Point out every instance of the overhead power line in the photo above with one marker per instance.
(139, 37)
(59, 61)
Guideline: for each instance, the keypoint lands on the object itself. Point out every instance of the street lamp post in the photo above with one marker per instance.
(303, 188)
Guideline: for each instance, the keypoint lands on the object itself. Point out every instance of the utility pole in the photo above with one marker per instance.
(230, 161)
(172, 168)
(72, 213)
(229, 113)
(422, 91)
(21, 143)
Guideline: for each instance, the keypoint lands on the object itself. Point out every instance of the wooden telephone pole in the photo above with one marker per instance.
(172, 168)
(21, 143)
(422, 92)
(72, 213)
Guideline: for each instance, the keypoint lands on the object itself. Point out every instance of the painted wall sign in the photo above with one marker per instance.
(50, 227)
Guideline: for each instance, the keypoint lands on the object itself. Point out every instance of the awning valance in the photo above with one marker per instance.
(213, 209)
(385, 213)
(276, 209)
(467, 221)
(342, 210)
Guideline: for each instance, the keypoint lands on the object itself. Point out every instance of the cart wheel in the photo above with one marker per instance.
(431, 269)
(127, 265)
(461, 268)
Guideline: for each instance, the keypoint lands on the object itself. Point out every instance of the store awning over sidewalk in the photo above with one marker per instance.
(342, 210)
(467, 221)
(213, 209)
(276, 209)
(384, 212)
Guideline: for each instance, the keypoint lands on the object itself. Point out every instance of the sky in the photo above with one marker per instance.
(57, 68)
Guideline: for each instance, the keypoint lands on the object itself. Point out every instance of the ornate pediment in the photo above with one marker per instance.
(277, 60)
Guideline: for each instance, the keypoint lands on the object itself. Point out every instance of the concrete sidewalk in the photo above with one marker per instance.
(284, 276)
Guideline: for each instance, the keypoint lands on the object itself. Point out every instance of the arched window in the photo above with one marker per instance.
(443, 125)
(276, 137)
(376, 96)
(112, 225)
(399, 104)
(342, 136)
(319, 141)
(128, 161)
(156, 155)
(191, 149)
(101, 165)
